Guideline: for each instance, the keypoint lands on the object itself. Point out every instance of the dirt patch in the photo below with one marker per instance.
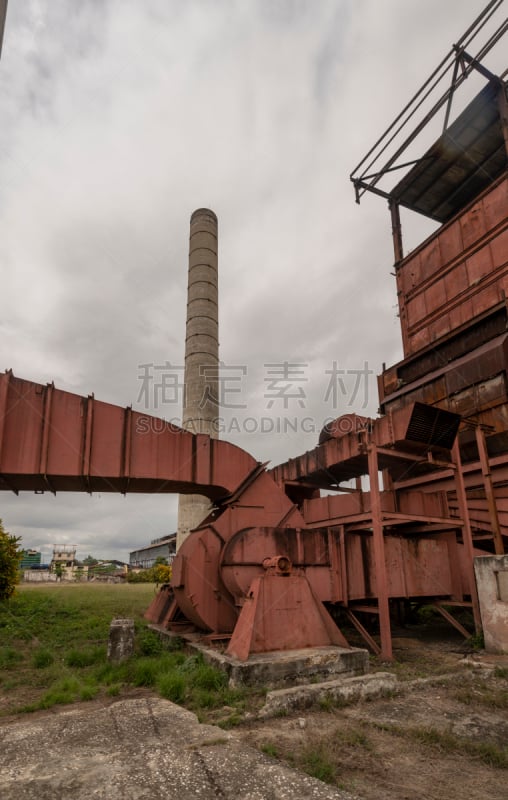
(434, 739)
(376, 764)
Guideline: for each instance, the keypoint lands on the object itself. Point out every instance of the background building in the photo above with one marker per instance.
(145, 557)
(63, 562)
(31, 559)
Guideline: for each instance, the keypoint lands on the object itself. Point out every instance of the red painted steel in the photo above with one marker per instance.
(457, 274)
(273, 552)
(199, 586)
(347, 423)
(57, 441)
(267, 618)
(453, 315)
(51, 440)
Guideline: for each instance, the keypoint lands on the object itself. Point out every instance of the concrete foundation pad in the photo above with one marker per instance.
(282, 667)
(344, 690)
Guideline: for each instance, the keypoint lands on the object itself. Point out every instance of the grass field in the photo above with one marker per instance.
(53, 645)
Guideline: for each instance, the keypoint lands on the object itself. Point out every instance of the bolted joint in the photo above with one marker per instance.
(281, 565)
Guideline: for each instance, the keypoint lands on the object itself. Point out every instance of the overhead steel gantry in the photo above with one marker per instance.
(471, 152)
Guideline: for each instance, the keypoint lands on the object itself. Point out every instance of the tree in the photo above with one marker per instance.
(161, 573)
(156, 574)
(10, 557)
(58, 571)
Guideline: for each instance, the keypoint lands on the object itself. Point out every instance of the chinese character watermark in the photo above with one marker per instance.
(337, 385)
(161, 384)
(224, 384)
(281, 384)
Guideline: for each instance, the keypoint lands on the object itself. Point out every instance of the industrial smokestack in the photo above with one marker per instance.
(200, 408)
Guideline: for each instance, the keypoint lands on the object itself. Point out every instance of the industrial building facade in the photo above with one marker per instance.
(145, 557)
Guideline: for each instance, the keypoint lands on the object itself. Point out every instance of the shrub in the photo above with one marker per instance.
(10, 557)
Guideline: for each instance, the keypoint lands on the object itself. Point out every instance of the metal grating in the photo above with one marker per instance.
(432, 426)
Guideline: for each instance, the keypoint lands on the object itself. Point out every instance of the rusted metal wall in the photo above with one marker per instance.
(457, 274)
(453, 315)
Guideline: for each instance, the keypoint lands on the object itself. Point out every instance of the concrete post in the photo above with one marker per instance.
(491, 574)
(201, 353)
(121, 640)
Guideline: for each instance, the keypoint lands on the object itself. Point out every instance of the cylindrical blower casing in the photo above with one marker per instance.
(201, 399)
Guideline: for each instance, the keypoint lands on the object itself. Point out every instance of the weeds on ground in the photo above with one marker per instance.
(480, 693)
(329, 703)
(318, 762)
(352, 738)
(476, 641)
(325, 757)
(270, 749)
(42, 658)
(55, 652)
(9, 657)
(448, 742)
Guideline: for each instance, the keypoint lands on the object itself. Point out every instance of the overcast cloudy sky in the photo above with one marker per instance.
(119, 118)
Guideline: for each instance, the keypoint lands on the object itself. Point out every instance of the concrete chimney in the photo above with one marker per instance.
(200, 408)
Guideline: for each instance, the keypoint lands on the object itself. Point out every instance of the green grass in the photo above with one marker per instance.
(42, 658)
(172, 686)
(9, 657)
(85, 657)
(54, 652)
(270, 749)
(318, 762)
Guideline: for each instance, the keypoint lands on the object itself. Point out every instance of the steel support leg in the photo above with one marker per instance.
(466, 533)
(489, 490)
(379, 555)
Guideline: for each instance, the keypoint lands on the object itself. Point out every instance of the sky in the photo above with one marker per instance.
(117, 120)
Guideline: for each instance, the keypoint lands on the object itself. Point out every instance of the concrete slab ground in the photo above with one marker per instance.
(140, 749)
